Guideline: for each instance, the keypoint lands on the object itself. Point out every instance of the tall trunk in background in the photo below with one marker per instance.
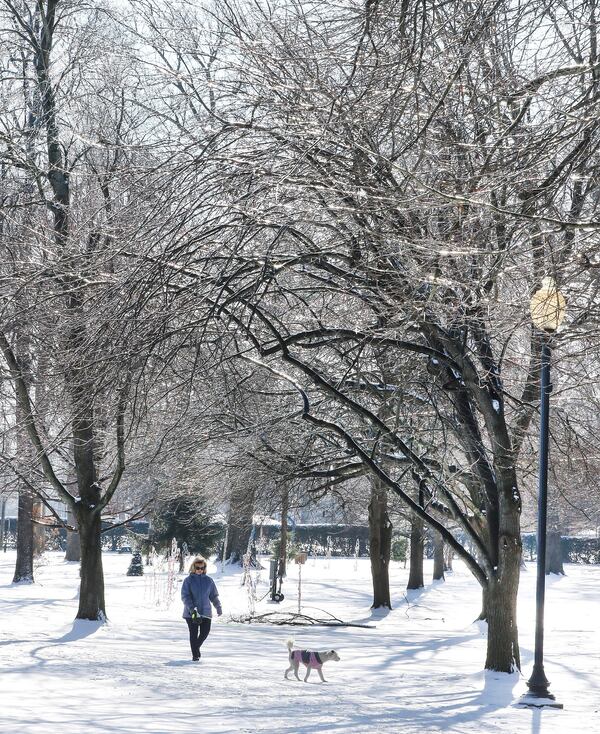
(417, 549)
(26, 502)
(380, 544)
(438, 556)
(241, 512)
(24, 562)
(554, 554)
(25, 535)
(448, 555)
(41, 393)
(2, 523)
(380, 525)
(283, 547)
(39, 529)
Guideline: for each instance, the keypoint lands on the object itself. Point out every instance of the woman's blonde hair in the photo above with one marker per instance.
(197, 559)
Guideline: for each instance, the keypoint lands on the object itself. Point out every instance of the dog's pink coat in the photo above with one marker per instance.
(312, 661)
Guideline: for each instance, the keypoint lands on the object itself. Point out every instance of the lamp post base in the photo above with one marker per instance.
(538, 687)
(532, 700)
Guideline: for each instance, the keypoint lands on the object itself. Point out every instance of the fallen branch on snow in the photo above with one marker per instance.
(297, 620)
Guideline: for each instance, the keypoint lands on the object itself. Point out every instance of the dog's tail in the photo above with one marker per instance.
(290, 644)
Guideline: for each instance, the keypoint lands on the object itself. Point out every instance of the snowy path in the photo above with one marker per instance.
(419, 670)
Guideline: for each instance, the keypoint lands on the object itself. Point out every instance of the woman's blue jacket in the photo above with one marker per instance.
(199, 590)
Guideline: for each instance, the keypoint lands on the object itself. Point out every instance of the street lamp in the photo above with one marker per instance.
(547, 309)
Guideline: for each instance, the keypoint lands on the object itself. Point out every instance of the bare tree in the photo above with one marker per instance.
(82, 362)
(398, 178)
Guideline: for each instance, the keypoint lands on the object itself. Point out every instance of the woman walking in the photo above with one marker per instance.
(198, 592)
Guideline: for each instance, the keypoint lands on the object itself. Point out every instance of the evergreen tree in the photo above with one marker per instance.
(186, 518)
(136, 567)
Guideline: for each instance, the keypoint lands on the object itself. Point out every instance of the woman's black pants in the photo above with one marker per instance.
(198, 633)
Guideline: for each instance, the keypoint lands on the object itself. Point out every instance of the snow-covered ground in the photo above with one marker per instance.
(418, 669)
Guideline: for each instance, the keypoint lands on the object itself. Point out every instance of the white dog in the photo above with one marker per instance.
(310, 658)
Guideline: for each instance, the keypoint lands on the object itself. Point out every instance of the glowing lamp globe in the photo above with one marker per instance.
(547, 306)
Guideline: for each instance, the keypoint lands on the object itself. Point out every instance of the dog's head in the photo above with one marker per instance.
(329, 655)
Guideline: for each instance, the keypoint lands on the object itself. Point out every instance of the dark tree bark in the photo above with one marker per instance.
(283, 547)
(380, 544)
(438, 556)
(24, 562)
(240, 523)
(554, 554)
(500, 609)
(91, 590)
(25, 511)
(2, 523)
(417, 547)
(448, 555)
(39, 529)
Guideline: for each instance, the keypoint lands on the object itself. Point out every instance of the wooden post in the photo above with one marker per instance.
(300, 560)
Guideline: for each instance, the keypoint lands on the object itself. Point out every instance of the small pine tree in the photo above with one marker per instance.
(136, 567)
(399, 548)
(188, 519)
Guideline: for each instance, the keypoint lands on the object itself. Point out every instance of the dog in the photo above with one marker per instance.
(310, 658)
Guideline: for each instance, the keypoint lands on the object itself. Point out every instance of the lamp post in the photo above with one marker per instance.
(547, 312)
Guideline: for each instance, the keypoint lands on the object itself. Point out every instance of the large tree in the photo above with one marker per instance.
(67, 157)
(397, 177)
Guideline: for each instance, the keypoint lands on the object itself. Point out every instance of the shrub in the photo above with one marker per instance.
(399, 548)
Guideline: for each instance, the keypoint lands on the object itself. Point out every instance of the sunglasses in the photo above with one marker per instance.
(199, 565)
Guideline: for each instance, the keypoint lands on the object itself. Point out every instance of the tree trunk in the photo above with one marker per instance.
(240, 523)
(448, 554)
(91, 589)
(283, 546)
(554, 555)
(415, 576)
(380, 544)
(2, 523)
(438, 557)
(500, 599)
(41, 393)
(39, 529)
(25, 533)
(500, 609)
(24, 563)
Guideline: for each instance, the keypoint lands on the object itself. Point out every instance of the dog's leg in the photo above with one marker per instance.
(296, 666)
(285, 675)
(308, 669)
(320, 672)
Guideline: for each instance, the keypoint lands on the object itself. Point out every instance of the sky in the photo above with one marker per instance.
(416, 668)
